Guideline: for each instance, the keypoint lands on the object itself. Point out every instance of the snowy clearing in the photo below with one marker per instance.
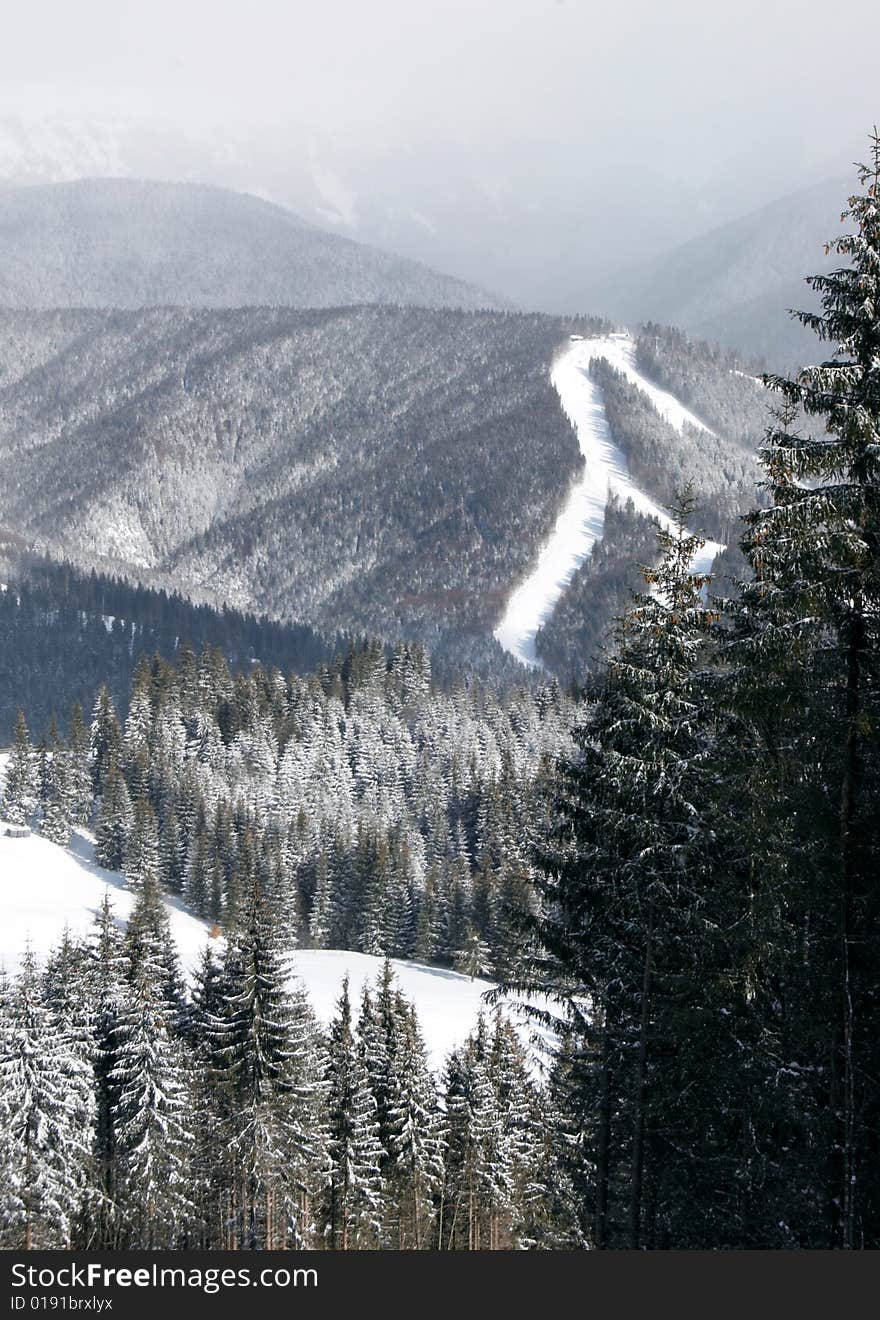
(582, 520)
(44, 888)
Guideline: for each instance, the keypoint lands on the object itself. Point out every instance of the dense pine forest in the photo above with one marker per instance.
(360, 808)
(673, 872)
(380, 814)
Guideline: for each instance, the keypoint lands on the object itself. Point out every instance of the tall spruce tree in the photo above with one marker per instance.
(353, 1195)
(105, 740)
(269, 1055)
(105, 991)
(152, 1140)
(473, 1177)
(45, 1121)
(626, 878)
(79, 769)
(805, 683)
(415, 1167)
(55, 788)
(115, 821)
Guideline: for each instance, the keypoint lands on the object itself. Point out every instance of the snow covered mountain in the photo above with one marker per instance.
(129, 243)
(45, 890)
(365, 468)
(392, 471)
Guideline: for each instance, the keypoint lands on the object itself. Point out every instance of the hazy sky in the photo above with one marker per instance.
(513, 142)
(656, 75)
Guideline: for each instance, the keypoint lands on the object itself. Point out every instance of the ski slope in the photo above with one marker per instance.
(45, 889)
(582, 520)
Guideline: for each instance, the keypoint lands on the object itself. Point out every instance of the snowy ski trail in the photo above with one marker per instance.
(582, 520)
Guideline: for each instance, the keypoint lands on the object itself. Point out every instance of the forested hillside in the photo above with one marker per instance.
(721, 470)
(379, 813)
(373, 470)
(376, 471)
(724, 387)
(719, 465)
(359, 808)
(64, 633)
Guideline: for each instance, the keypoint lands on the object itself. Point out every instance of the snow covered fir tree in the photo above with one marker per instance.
(666, 875)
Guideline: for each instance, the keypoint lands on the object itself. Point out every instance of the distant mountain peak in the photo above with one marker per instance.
(117, 242)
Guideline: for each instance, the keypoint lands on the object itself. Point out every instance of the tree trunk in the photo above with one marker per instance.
(603, 1143)
(640, 1094)
(849, 792)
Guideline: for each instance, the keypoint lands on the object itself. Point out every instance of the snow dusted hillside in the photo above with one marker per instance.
(582, 520)
(44, 888)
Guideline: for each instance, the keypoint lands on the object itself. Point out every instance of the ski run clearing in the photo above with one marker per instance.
(581, 522)
(45, 889)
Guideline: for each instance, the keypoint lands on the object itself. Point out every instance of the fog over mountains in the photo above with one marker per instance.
(535, 225)
(735, 284)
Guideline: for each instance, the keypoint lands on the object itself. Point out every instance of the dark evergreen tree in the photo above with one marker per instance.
(80, 792)
(268, 1049)
(105, 993)
(115, 819)
(148, 940)
(415, 1169)
(151, 1138)
(55, 788)
(141, 853)
(806, 690)
(45, 1121)
(105, 740)
(626, 879)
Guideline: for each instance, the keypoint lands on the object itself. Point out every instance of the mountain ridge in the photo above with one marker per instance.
(112, 242)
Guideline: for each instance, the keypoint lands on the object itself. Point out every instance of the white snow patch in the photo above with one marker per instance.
(447, 1003)
(620, 351)
(582, 520)
(44, 888)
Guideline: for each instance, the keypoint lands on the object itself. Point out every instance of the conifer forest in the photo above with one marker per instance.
(274, 693)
